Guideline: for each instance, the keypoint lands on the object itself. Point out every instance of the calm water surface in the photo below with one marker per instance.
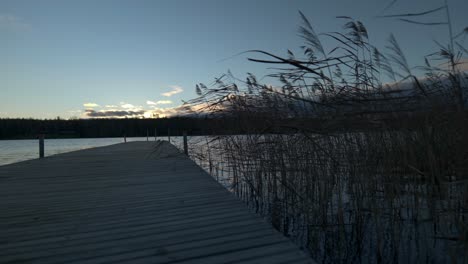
(12, 151)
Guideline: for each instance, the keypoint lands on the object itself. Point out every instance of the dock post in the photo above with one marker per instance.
(169, 135)
(125, 138)
(147, 135)
(41, 146)
(155, 134)
(185, 143)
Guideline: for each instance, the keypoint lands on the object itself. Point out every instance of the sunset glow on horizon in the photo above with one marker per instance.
(88, 59)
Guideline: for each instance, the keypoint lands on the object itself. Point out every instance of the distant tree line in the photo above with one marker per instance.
(96, 128)
(247, 122)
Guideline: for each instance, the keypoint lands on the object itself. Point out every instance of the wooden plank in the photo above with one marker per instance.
(138, 202)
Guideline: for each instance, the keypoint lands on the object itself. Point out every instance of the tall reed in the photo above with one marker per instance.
(354, 157)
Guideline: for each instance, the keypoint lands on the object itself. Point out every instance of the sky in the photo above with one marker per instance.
(87, 58)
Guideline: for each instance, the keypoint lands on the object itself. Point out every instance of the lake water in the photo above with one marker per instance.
(12, 151)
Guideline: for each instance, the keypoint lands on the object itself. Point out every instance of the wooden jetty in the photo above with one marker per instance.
(138, 202)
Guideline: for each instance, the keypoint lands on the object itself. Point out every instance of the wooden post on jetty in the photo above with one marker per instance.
(169, 135)
(41, 146)
(185, 143)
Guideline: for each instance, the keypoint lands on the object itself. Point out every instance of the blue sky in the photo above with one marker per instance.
(61, 57)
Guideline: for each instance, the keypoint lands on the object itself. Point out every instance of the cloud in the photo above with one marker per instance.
(127, 106)
(113, 114)
(461, 66)
(159, 102)
(186, 109)
(90, 105)
(162, 112)
(13, 23)
(135, 112)
(153, 109)
(175, 90)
